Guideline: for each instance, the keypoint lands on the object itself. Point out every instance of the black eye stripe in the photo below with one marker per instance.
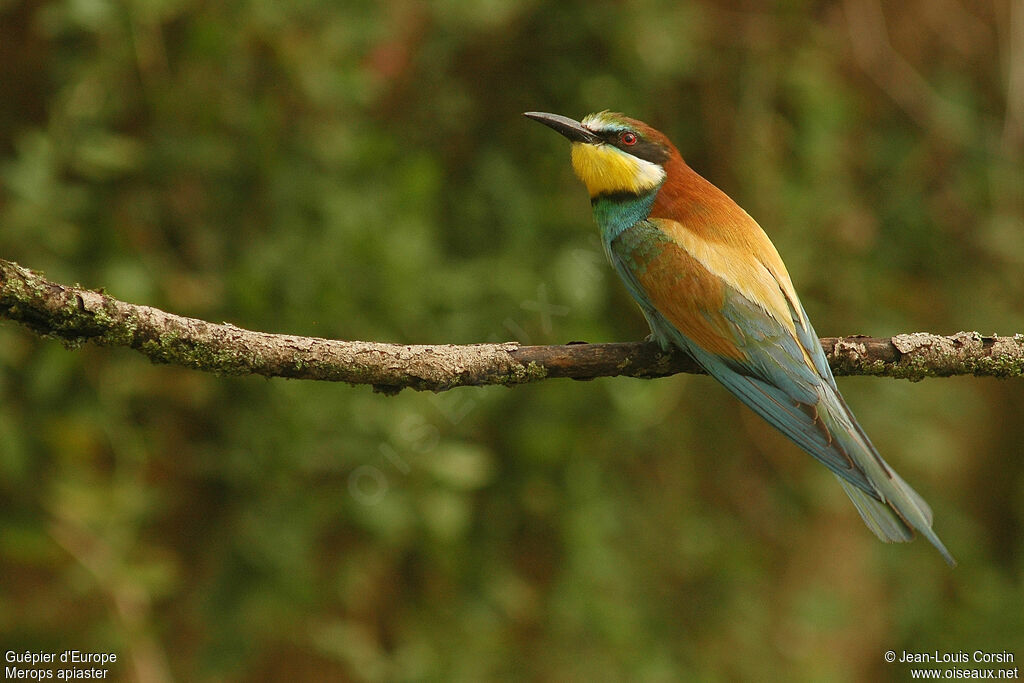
(641, 149)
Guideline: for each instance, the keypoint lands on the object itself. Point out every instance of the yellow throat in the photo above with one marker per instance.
(606, 169)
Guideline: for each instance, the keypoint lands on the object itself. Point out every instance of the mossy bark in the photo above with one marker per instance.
(75, 315)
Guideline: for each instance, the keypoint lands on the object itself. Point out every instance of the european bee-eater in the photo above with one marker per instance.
(710, 282)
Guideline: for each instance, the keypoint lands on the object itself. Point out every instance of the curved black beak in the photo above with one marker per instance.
(571, 129)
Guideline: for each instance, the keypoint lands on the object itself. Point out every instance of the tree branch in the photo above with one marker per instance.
(75, 315)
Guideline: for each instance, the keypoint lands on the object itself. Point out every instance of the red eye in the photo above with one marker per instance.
(628, 138)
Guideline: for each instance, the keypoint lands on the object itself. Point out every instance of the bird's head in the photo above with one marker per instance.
(613, 154)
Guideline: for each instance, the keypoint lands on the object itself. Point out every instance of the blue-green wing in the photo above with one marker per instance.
(769, 372)
(782, 376)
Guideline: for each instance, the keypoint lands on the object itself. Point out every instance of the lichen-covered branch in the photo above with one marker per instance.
(75, 315)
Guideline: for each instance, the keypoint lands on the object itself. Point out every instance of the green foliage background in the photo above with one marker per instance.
(361, 171)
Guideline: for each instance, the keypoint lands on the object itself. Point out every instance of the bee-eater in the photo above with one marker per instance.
(710, 282)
